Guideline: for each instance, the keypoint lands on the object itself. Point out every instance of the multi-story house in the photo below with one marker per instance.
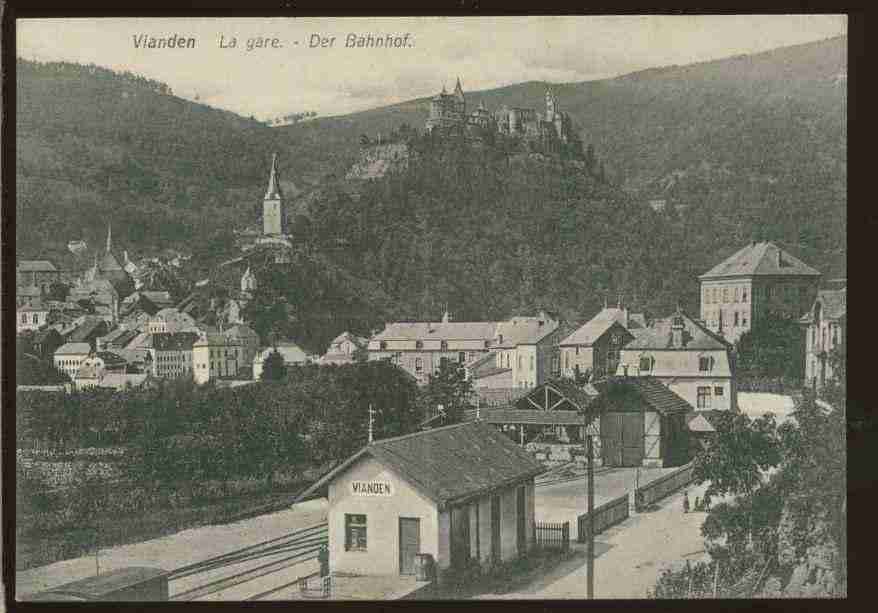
(689, 359)
(170, 353)
(761, 278)
(69, 357)
(215, 356)
(594, 347)
(31, 317)
(528, 348)
(247, 340)
(825, 330)
(420, 347)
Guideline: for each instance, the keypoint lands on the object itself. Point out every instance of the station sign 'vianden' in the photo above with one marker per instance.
(371, 488)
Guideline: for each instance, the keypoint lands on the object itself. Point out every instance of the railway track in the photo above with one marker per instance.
(288, 550)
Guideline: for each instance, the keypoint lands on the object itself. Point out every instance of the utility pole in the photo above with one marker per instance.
(590, 543)
(371, 423)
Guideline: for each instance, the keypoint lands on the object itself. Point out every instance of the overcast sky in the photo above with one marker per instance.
(485, 52)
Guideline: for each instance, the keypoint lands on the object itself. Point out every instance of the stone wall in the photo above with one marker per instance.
(377, 160)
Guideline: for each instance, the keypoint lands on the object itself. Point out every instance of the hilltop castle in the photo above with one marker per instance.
(554, 127)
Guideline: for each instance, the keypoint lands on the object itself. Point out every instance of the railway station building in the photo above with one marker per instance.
(461, 493)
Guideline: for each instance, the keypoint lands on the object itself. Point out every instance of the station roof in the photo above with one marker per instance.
(449, 464)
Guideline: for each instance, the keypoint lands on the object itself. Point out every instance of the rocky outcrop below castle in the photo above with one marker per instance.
(377, 160)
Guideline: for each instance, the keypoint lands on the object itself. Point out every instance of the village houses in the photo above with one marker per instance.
(214, 356)
(594, 347)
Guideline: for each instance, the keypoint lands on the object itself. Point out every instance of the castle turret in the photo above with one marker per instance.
(461, 101)
(273, 223)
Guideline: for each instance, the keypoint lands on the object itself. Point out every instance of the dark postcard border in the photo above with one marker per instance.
(861, 227)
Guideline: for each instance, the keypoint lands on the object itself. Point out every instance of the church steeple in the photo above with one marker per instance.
(458, 90)
(273, 192)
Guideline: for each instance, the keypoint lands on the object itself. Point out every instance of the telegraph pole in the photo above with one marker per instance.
(371, 423)
(589, 555)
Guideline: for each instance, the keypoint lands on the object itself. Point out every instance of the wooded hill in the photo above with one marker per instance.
(754, 146)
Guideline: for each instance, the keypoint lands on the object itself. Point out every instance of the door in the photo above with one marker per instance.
(632, 439)
(520, 520)
(622, 439)
(409, 544)
(495, 528)
(460, 543)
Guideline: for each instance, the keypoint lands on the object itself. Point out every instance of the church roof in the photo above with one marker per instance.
(109, 263)
(273, 192)
(763, 258)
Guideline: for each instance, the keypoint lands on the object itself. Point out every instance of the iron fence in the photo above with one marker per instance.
(549, 535)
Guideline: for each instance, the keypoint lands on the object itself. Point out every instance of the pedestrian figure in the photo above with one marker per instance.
(685, 502)
(323, 558)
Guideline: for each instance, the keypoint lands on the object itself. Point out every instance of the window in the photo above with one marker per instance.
(354, 532)
(443, 345)
(519, 361)
(487, 344)
(566, 360)
(744, 320)
(383, 345)
(419, 344)
(725, 295)
(736, 318)
(24, 318)
(834, 334)
(646, 363)
(718, 391)
(703, 398)
(737, 294)
(531, 363)
(461, 357)
(744, 295)
(768, 293)
(704, 364)
(577, 350)
(419, 365)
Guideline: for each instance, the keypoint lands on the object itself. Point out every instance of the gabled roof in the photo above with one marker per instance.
(357, 340)
(596, 327)
(699, 421)
(86, 329)
(659, 336)
(764, 258)
(451, 464)
(73, 348)
(451, 330)
(554, 393)
(523, 331)
(35, 266)
(649, 389)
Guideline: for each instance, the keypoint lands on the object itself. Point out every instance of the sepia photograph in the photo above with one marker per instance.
(461, 308)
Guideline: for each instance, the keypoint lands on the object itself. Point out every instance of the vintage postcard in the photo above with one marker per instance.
(430, 308)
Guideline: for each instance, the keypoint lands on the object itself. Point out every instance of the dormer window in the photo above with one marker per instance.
(419, 344)
(678, 321)
(705, 364)
(500, 339)
(487, 344)
(443, 345)
(646, 363)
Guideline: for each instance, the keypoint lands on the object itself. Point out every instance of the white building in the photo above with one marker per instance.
(474, 501)
(31, 317)
(687, 357)
(215, 356)
(825, 330)
(69, 357)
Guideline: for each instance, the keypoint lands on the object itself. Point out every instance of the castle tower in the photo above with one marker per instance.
(273, 222)
(551, 105)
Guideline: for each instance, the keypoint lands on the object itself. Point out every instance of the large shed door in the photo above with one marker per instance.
(622, 439)
(460, 544)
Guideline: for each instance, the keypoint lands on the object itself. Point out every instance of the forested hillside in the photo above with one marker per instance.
(754, 147)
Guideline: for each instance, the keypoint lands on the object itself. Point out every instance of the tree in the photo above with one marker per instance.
(274, 368)
(765, 349)
(450, 388)
(741, 450)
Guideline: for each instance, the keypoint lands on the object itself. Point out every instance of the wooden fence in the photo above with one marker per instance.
(654, 491)
(552, 535)
(605, 516)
